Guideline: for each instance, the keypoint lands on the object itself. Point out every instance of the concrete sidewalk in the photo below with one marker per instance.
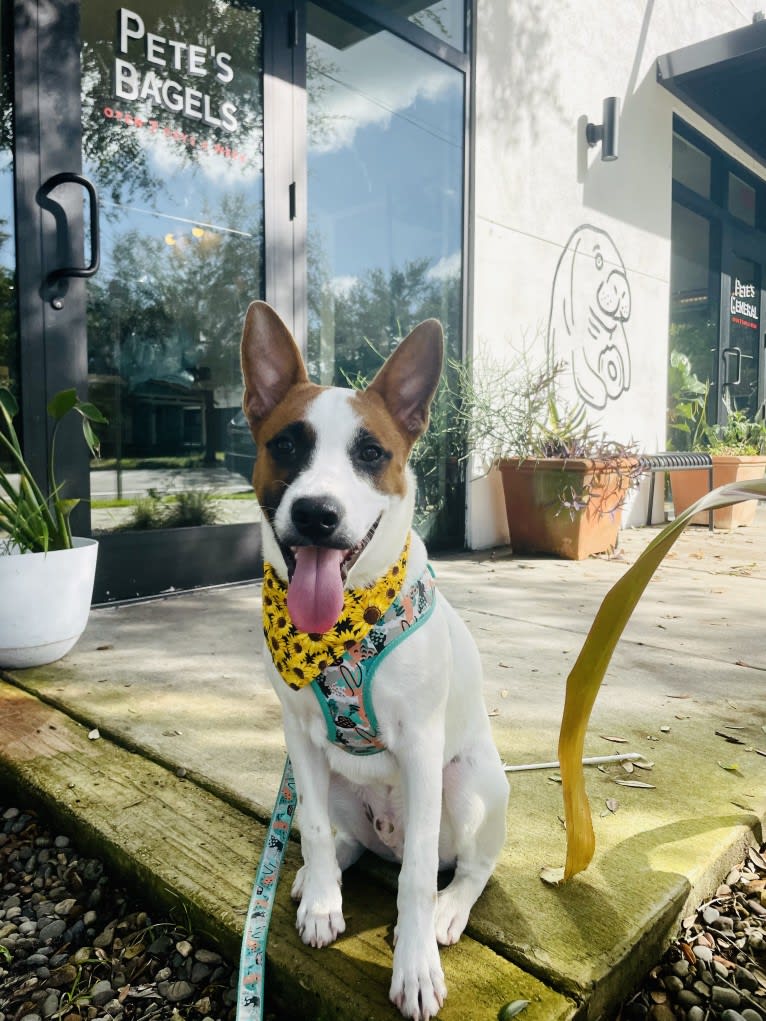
(179, 784)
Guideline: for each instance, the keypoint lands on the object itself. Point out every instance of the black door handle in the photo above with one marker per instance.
(69, 177)
(735, 377)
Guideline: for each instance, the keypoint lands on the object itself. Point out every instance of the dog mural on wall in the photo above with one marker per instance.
(590, 304)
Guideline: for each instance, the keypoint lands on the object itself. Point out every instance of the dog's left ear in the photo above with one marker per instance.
(408, 379)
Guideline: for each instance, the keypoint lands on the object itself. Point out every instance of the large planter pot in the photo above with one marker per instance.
(537, 521)
(688, 486)
(45, 603)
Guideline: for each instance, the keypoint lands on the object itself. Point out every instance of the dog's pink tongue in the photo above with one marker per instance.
(315, 593)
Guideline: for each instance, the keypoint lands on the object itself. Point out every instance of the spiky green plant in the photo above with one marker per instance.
(30, 520)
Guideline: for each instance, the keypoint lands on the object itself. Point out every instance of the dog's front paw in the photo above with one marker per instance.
(417, 984)
(320, 914)
(452, 912)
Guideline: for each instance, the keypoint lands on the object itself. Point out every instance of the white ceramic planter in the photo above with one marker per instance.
(44, 602)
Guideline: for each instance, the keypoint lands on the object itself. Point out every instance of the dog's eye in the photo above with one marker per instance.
(370, 453)
(284, 445)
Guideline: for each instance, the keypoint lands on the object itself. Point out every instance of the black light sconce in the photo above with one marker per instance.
(608, 133)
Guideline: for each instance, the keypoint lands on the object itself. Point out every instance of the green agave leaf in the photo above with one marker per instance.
(61, 403)
(588, 672)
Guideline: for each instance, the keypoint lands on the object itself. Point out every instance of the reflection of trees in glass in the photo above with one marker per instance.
(696, 336)
(173, 311)
(354, 328)
(118, 155)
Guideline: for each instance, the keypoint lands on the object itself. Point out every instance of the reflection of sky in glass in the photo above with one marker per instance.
(385, 154)
(147, 157)
(7, 254)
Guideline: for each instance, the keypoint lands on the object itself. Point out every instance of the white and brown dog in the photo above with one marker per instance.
(428, 789)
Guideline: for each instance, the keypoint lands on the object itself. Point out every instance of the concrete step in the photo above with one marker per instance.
(176, 842)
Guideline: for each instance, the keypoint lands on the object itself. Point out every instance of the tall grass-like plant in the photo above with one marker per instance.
(588, 672)
(33, 522)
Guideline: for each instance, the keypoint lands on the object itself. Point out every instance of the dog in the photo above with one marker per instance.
(406, 766)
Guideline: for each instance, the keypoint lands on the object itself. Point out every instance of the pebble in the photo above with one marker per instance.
(69, 929)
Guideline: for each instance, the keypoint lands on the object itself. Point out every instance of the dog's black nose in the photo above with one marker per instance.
(315, 517)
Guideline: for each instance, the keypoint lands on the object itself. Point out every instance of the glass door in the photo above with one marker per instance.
(140, 188)
(741, 367)
(172, 120)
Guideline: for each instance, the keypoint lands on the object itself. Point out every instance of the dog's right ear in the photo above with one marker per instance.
(271, 361)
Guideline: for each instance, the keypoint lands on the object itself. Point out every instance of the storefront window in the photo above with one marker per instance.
(173, 139)
(385, 171)
(691, 166)
(9, 343)
(694, 309)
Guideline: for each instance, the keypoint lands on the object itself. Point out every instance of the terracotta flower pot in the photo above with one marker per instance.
(688, 486)
(539, 523)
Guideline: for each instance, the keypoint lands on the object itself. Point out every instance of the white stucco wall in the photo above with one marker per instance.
(541, 72)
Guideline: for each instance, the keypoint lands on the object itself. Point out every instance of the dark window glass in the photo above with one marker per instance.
(691, 166)
(694, 301)
(173, 138)
(741, 200)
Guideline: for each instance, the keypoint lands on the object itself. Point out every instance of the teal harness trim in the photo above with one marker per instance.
(344, 690)
(252, 960)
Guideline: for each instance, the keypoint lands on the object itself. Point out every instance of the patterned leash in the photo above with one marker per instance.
(252, 961)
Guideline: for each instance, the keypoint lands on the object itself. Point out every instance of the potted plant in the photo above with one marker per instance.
(737, 448)
(46, 574)
(564, 482)
(738, 452)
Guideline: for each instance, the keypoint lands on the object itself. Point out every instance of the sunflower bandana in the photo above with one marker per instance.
(300, 657)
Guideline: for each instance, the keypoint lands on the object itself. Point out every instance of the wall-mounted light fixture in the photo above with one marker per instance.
(608, 133)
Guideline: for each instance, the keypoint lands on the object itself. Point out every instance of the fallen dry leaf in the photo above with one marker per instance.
(614, 740)
(551, 875)
(636, 783)
(731, 767)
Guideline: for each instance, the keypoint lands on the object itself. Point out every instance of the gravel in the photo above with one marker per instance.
(75, 946)
(716, 967)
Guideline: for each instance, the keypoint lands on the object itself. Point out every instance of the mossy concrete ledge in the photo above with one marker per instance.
(183, 847)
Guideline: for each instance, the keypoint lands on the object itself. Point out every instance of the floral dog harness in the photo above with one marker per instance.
(344, 690)
(340, 666)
